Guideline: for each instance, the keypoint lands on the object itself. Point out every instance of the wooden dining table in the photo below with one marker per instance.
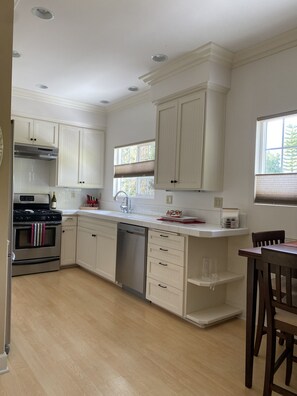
(254, 265)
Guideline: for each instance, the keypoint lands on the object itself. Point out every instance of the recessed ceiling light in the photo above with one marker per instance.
(41, 86)
(42, 13)
(16, 54)
(104, 101)
(159, 58)
(133, 88)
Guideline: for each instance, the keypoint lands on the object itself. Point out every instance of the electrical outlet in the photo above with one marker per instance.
(169, 199)
(218, 202)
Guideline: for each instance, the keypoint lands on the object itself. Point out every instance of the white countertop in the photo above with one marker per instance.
(197, 230)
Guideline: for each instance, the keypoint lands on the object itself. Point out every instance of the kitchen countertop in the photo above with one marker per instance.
(197, 230)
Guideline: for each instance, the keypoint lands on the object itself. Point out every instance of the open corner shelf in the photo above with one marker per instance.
(209, 316)
(223, 278)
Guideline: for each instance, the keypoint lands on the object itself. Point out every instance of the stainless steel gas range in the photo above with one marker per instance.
(36, 234)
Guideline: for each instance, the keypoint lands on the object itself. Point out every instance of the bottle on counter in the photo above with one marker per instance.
(54, 201)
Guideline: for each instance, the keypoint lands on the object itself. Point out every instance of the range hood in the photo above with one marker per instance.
(35, 152)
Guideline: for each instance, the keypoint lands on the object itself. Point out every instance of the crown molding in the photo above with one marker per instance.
(140, 97)
(208, 52)
(268, 47)
(41, 97)
(205, 85)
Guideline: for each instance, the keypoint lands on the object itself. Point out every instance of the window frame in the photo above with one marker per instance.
(122, 168)
(273, 188)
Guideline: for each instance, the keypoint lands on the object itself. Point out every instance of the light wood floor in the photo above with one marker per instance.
(76, 334)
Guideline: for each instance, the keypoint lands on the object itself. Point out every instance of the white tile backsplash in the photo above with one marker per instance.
(34, 176)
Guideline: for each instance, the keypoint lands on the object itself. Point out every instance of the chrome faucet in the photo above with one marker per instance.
(126, 203)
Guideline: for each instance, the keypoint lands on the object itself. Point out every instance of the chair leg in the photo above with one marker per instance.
(289, 348)
(261, 317)
(270, 360)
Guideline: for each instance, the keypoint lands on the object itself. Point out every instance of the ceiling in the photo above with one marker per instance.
(94, 50)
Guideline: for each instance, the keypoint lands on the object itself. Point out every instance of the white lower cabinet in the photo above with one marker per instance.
(96, 246)
(68, 240)
(206, 299)
(165, 270)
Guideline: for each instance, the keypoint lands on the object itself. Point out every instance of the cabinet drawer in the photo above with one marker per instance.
(166, 254)
(165, 296)
(166, 239)
(101, 227)
(163, 271)
(69, 220)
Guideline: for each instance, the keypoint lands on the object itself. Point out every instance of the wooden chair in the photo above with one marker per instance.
(281, 315)
(260, 239)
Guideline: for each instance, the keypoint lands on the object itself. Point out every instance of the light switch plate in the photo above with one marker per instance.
(218, 202)
(169, 199)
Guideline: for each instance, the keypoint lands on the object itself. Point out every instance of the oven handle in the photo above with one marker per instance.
(36, 261)
(29, 224)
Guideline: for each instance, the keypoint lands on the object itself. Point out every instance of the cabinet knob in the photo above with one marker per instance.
(35, 140)
(31, 139)
(63, 230)
(171, 181)
(94, 235)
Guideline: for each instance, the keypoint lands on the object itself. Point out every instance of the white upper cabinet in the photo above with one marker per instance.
(81, 157)
(38, 132)
(190, 142)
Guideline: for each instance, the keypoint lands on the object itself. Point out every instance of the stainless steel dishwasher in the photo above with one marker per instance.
(131, 258)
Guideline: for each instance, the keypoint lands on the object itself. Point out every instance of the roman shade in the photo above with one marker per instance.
(136, 169)
(279, 189)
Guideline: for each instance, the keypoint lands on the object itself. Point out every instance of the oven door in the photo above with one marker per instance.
(36, 241)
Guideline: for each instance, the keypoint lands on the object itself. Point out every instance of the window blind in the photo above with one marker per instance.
(136, 169)
(279, 189)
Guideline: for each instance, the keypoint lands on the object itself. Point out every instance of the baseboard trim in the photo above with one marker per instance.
(3, 363)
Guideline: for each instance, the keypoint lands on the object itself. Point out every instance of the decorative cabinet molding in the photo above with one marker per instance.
(38, 132)
(190, 142)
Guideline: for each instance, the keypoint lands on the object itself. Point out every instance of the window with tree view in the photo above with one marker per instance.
(276, 160)
(134, 169)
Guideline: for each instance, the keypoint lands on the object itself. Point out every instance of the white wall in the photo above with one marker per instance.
(265, 87)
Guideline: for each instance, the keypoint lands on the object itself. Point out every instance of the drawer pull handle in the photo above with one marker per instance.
(163, 287)
(163, 236)
(164, 265)
(94, 235)
(164, 250)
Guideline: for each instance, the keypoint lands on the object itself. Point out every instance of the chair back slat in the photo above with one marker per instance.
(266, 238)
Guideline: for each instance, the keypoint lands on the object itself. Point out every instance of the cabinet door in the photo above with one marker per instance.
(91, 158)
(68, 246)
(46, 133)
(68, 156)
(106, 256)
(86, 248)
(166, 145)
(189, 157)
(23, 130)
